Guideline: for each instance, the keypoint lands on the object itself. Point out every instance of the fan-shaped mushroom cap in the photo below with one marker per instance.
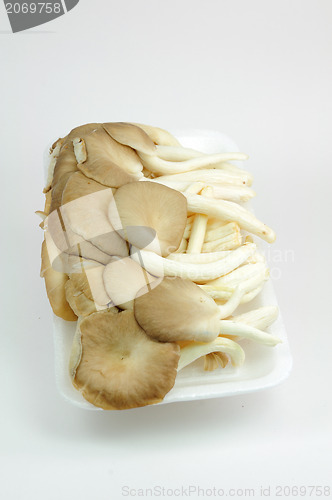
(115, 365)
(85, 291)
(87, 217)
(65, 166)
(55, 287)
(79, 185)
(149, 205)
(177, 310)
(124, 278)
(105, 160)
(63, 242)
(131, 135)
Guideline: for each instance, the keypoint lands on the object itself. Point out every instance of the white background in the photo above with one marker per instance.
(257, 70)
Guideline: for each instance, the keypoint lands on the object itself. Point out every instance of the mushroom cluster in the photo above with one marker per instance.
(149, 248)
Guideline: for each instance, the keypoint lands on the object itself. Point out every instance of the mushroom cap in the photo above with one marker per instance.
(85, 291)
(63, 242)
(131, 135)
(105, 160)
(79, 185)
(150, 205)
(55, 287)
(177, 310)
(124, 278)
(115, 365)
(65, 166)
(87, 216)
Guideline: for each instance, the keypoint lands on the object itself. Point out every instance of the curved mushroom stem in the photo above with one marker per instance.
(228, 327)
(176, 153)
(159, 135)
(207, 175)
(229, 211)
(159, 166)
(230, 306)
(158, 266)
(229, 167)
(198, 229)
(259, 318)
(215, 359)
(196, 350)
(198, 258)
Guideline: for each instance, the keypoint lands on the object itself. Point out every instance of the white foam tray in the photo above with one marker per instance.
(264, 366)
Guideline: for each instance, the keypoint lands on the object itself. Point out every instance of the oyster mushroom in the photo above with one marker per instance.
(116, 366)
(78, 186)
(177, 310)
(147, 205)
(131, 135)
(158, 135)
(87, 216)
(124, 278)
(105, 160)
(62, 241)
(55, 287)
(85, 290)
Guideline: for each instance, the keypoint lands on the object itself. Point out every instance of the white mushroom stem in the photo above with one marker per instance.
(230, 192)
(159, 135)
(241, 274)
(238, 194)
(54, 153)
(187, 231)
(228, 327)
(158, 266)
(176, 153)
(194, 188)
(258, 318)
(248, 283)
(221, 231)
(226, 243)
(206, 175)
(164, 167)
(198, 258)
(182, 248)
(229, 211)
(230, 306)
(173, 153)
(198, 229)
(229, 167)
(196, 350)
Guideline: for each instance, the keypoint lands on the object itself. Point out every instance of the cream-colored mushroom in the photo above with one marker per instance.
(105, 160)
(85, 290)
(164, 167)
(258, 318)
(196, 350)
(55, 287)
(116, 366)
(124, 279)
(158, 135)
(143, 210)
(87, 216)
(63, 242)
(177, 310)
(131, 135)
(229, 211)
(205, 175)
(199, 273)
